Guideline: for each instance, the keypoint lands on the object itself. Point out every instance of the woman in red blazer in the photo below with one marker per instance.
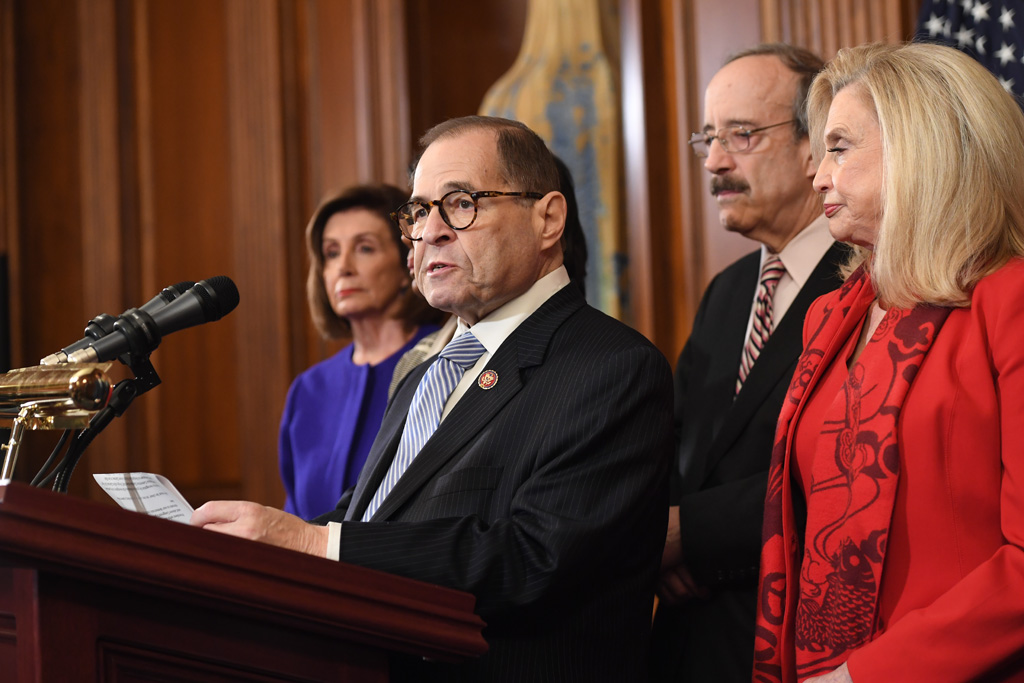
(894, 521)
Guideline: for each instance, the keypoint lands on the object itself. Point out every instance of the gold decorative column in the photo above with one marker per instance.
(564, 86)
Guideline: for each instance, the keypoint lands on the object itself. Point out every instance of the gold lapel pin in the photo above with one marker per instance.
(487, 379)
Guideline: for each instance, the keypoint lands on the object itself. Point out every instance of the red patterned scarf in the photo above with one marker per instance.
(819, 592)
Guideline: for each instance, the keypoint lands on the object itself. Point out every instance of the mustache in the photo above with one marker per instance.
(726, 184)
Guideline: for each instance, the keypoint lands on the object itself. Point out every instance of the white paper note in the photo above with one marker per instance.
(146, 492)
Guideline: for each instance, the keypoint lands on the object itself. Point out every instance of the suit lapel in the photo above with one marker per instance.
(524, 348)
(731, 313)
(782, 350)
(474, 410)
(734, 335)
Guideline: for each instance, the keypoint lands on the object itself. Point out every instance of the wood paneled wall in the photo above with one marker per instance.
(146, 142)
(457, 50)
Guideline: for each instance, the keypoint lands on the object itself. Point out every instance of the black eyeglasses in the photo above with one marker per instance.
(731, 138)
(458, 210)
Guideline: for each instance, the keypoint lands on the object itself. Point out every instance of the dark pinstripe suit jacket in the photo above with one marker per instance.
(544, 496)
(721, 469)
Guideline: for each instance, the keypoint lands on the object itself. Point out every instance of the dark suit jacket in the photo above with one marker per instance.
(721, 470)
(544, 496)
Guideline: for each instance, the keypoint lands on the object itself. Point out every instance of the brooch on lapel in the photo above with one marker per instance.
(487, 379)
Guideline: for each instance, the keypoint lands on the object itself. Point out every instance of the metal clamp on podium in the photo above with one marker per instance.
(63, 397)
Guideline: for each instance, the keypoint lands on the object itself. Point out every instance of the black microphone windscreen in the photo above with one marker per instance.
(218, 296)
(138, 332)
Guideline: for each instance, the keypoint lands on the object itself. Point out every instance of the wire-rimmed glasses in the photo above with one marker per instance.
(732, 138)
(458, 210)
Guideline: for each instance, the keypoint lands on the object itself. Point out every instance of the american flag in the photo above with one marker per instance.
(992, 32)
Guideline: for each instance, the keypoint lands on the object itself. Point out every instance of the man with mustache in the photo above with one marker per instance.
(755, 145)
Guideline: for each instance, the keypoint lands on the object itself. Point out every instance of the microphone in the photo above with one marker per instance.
(103, 324)
(139, 332)
(166, 296)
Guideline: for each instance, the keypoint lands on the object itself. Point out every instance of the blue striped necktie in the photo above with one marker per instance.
(761, 327)
(428, 402)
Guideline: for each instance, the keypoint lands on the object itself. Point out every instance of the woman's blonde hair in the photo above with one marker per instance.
(952, 168)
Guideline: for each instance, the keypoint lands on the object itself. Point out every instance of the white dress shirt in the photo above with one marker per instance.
(800, 257)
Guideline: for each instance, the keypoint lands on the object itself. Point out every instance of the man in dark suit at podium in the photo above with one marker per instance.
(733, 373)
(543, 489)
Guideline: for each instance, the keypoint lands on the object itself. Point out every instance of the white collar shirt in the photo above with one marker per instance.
(496, 326)
(800, 257)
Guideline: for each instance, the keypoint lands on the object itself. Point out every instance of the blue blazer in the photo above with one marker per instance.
(328, 408)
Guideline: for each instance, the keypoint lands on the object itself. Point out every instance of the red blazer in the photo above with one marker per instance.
(951, 599)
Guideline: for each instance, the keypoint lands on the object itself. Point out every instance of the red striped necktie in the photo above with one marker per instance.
(761, 327)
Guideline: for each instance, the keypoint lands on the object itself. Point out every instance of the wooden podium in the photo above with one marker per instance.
(90, 592)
